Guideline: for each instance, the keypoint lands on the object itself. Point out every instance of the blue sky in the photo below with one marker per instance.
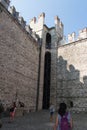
(71, 12)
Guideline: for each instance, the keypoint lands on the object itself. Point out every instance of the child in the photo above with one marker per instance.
(51, 112)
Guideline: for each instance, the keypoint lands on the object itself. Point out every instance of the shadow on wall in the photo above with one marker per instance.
(70, 89)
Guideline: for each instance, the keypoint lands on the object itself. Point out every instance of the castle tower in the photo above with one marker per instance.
(48, 58)
(51, 38)
(37, 26)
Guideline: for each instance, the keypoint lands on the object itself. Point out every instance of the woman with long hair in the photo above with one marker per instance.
(63, 119)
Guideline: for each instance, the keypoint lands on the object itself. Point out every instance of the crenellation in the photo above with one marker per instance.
(59, 27)
(41, 15)
(21, 21)
(57, 20)
(82, 34)
(41, 18)
(32, 23)
(37, 26)
(33, 20)
(13, 11)
(71, 37)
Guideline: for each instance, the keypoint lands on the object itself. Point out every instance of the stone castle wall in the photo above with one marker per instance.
(56, 34)
(37, 25)
(72, 75)
(19, 59)
(53, 68)
(22, 58)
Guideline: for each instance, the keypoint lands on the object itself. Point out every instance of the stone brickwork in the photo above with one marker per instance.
(37, 26)
(72, 75)
(23, 73)
(19, 59)
(56, 34)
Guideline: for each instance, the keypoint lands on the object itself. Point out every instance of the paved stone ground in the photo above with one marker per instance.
(40, 121)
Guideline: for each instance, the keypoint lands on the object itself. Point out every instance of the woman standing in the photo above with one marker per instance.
(63, 119)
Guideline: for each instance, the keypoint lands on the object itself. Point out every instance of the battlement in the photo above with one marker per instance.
(71, 37)
(13, 11)
(22, 22)
(59, 27)
(35, 27)
(42, 15)
(37, 24)
(5, 3)
(15, 14)
(58, 22)
(19, 19)
(81, 35)
(41, 18)
(33, 20)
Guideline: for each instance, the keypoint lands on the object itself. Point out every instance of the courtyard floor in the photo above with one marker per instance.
(40, 121)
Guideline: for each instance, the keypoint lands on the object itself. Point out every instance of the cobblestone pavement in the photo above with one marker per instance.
(40, 121)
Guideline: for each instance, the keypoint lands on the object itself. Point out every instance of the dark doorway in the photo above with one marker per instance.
(46, 89)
